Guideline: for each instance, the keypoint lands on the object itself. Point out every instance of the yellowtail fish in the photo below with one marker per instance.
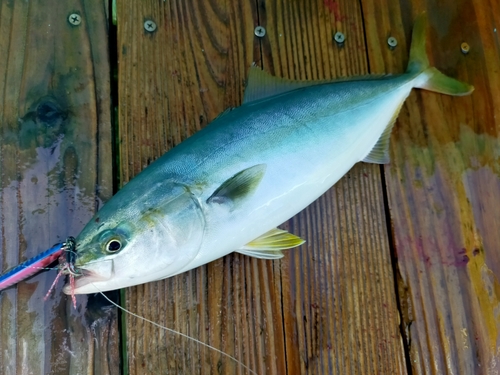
(229, 186)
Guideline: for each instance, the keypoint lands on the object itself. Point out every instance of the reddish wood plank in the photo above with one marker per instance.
(443, 186)
(340, 301)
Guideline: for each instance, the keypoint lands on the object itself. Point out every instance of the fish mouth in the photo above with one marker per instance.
(99, 271)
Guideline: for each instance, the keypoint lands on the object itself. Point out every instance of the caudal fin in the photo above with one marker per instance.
(430, 78)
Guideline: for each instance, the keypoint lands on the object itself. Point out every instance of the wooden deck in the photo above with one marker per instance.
(400, 272)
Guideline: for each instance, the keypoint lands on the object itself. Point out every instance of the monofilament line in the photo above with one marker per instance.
(179, 333)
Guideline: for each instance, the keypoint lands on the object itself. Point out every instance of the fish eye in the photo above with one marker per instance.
(113, 246)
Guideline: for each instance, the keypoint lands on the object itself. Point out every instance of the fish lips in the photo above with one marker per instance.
(101, 270)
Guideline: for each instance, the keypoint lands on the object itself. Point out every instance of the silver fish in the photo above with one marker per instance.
(230, 185)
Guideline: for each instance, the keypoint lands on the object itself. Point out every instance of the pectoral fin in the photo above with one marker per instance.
(270, 244)
(242, 185)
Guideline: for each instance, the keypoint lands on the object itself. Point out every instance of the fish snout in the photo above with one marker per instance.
(100, 270)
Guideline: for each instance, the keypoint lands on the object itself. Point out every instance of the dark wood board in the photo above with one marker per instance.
(55, 171)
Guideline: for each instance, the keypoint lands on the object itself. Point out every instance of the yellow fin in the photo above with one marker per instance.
(270, 244)
(430, 78)
(262, 254)
(433, 80)
(418, 55)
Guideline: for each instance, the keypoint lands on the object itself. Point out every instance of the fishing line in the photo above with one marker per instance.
(39, 268)
(179, 333)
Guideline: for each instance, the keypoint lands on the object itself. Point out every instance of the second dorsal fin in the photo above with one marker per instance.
(261, 85)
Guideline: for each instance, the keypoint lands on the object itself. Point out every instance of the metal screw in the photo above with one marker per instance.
(149, 26)
(339, 37)
(260, 31)
(465, 48)
(392, 42)
(74, 19)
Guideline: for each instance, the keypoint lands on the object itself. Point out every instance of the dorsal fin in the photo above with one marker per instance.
(261, 85)
(222, 114)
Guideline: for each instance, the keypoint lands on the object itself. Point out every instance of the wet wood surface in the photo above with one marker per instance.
(332, 305)
(54, 105)
(327, 307)
(399, 273)
(444, 188)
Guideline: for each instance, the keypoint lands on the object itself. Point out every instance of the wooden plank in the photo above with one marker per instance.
(328, 307)
(54, 95)
(171, 83)
(444, 186)
(340, 301)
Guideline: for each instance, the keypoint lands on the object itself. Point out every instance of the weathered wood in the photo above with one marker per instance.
(443, 186)
(339, 300)
(328, 307)
(55, 138)
(171, 83)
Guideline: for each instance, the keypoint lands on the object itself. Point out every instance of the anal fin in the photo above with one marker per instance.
(379, 154)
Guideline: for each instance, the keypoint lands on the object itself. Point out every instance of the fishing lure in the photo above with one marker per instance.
(63, 252)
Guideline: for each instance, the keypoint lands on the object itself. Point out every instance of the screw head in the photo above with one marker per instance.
(74, 19)
(260, 31)
(465, 48)
(149, 26)
(339, 37)
(392, 42)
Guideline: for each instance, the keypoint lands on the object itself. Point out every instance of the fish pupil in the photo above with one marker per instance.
(114, 245)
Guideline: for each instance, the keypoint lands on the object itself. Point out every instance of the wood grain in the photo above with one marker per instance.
(328, 307)
(55, 163)
(345, 313)
(171, 83)
(443, 186)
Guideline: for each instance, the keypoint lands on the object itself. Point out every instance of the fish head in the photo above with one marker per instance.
(136, 238)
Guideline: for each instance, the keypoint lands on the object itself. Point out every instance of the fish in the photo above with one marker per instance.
(229, 186)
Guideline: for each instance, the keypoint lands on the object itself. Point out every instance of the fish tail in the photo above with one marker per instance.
(427, 77)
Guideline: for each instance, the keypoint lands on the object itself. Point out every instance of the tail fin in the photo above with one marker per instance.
(430, 78)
